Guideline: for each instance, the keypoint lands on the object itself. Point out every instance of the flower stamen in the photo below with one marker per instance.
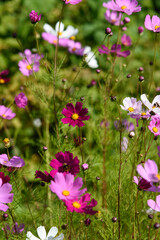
(75, 116)
(123, 7)
(155, 129)
(76, 204)
(131, 109)
(65, 192)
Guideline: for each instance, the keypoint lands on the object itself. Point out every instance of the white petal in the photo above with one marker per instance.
(60, 237)
(47, 28)
(61, 27)
(87, 50)
(145, 101)
(52, 232)
(41, 232)
(156, 100)
(30, 236)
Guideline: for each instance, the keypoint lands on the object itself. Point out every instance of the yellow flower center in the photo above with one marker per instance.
(2, 81)
(3, 115)
(55, 41)
(143, 114)
(155, 129)
(73, 49)
(65, 192)
(4, 161)
(6, 140)
(75, 116)
(68, 0)
(130, 109)
(60, 33)
(73, 38)
(113, 20)
(66, 167)
(29, 67)
(123, 7)
(76, 205)
(158, 176)
(156, 27)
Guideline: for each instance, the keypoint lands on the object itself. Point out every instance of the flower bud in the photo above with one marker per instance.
(140, 29)
(34, 18)
(108, 31)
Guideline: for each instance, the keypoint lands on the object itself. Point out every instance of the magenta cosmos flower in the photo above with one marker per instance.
(126, 6)
(45, 177)
(21, 100)
(126, 40)
(115, 50)
(3, 76)
(145, 185)
(66, 187)
(5, 195)
(75, 115)
(34, 17)
(15, 161)
(30, 62)
(82, 205)
(149, 172)
(155, 205)
(5, 179)
(113, 17)
(6, 113)
(154, 125)
(75, 48)
(73, 2)
(63, 42)
(152, 25)
(65, 163)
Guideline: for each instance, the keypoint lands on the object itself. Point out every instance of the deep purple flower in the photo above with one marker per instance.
(3, 76)
(21, 100)
(45, 177)
(126, 40)
(65, 163)
(145, 185)
(152, 25)
(14, 162)
(5, 179)
(115, 50)
(75, 115)
(34, 17)
(113, 17)
(126, 6)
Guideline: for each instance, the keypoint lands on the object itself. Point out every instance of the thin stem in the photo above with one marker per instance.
(119, 186)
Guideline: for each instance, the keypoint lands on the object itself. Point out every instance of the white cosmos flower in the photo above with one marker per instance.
(90, 58)
(154, 106)
(43, 236)
(131, 105)
(70, 31)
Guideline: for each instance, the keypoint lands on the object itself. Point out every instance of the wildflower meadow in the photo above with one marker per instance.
(79, 120)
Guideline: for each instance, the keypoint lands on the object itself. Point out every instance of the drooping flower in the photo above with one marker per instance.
(65, 163)
(113, 17)
(152, 25)
(145, 185)
(21, 100)
(66, 187)
(90, 58)
(44, 236)
(126, 40)
(82, 205)
(154, 125)
(155, 205)
(75, 115)
(73, 2)
(16, 229)
(34, 17)
(131, 105)
(14, 162)
(3, 76)
(6, 113)
(115, 50)
(126, 6)
(154, 106)
(75, 48)
(149, 172)
(30, 62)
(5, 195)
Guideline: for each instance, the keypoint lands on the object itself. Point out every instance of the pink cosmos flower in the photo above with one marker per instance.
(75, 48)
(113, 17)
(65, 163)
(34, 17)
(155, 205)
(6, 113)
(63, 42)
(29, 63)
(126, 6)
(21, 100)
(66, 187)
(154, 125)
(115, 50)
(152, 25)
(145, 185)
(132, 106)
(15, 162)
(3, 76)
(149, 172)
(82, 205)
(126, 40)
(73, 2)
(75, 115)
(5, 195)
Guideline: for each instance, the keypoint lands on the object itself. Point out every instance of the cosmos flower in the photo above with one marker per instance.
(6, 113)
(154, 106)
(115, 50)
(145, 185)
(154, 125)
(126, 40)
(14, 162)
(62, 42)
(90, 58)
(73, 2)
(113, 17)
(34, 17)
(131, 105)
(30, 62)
(75, 115)
(16, 229)
(82, 205)
(155, 205)
(21, 100)
(75, 48)
(45, 177)
(5, 179)
(152, 25)
(126, 6)
(43, 236)
(5, 195)
(65, 163)
(124, 125)
(66, 187)
(3, 76)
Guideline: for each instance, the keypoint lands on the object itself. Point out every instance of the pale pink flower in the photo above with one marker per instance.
(6, 113)
(5, 195)
(152, 25)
